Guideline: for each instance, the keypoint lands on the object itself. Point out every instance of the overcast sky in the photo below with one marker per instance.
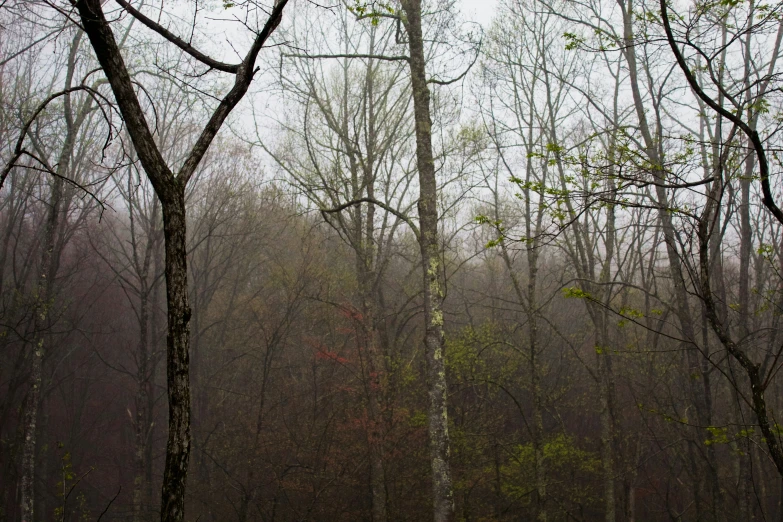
(480, 11)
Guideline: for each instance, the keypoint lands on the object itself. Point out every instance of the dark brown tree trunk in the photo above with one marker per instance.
(177, 357)
(368, 275)
(142, 415)
(375, 435)
(170, 189)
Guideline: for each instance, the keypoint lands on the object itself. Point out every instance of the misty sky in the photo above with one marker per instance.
(479, 10)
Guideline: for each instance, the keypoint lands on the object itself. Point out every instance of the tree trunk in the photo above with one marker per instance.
(170, 189)
(177, 357)
(375, 435)
(142, 415)
(368, 275)
(40, 314)
(697, 381)
(442, 494)
(50, 259)
(27, 501)
(605, 392)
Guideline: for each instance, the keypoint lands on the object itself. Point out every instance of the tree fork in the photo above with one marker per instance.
(170, 189)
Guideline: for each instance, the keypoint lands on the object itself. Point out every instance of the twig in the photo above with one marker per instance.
(109, 504)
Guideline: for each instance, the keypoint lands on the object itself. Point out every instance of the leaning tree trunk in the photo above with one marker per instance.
(442, 495)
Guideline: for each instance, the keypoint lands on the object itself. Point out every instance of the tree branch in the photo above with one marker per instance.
(751, 133)
(109, 504)
(244, 76)
(461, 76)
(367, 56)
(19, 150)
(375, 202)
(179, 42)
(110, 58)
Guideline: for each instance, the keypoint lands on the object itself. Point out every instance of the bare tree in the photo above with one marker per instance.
(743, 116)
(170, 189)
(348, 152)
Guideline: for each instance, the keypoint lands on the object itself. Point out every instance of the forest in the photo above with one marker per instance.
(346, 260)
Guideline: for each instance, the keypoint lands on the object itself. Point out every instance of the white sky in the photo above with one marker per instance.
(480, 11)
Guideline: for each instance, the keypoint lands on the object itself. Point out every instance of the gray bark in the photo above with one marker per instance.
(442, 494)
(48, 267)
